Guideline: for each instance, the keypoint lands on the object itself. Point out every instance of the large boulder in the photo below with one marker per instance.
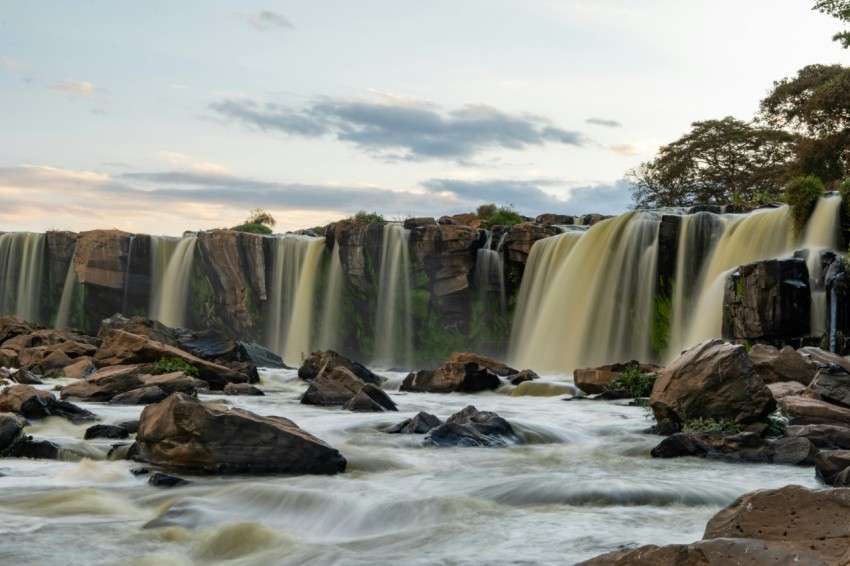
(32, 403)
(820, 356)
(11, 431)
(120, 347)
(806, 411)
(98, 258)
(829, 464)
(832, 384)
(471, 427)
(186, 434)
(774, 365)
(466, 377)
(714, 379)
(823, 436)
(498, 368)
(812, 521)
(328, 360)
(741, 447)
(767, 299)
(334, 387)
(370, 399)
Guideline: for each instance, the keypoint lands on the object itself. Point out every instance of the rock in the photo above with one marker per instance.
(370, 399)
(715, 445)
(334, 387)
(493, 366)
(131, 426)
(714, 379)
(9, 358)
(774, 365)
(523, 376)
(242, 389)
(823, 357)
(767, 299)
(12, 326)
(184, 433)
(37, 450)
(209, 344)
(261, 356)
(794, 451)
(11, 431)
(550, 218)
(522, 237)
(466, 377)
(471, 427)
(830, 463)
(596, 380)
(328, 360)
(826, 437)
(35, 404)
(805, 411)
(811, 521)
(159, 479)
(80, 368)
(26, 377)
(411, 223)
(832, 384)
(140, 326)
(716, 552)
(106, 431)
(98, 258)
(782, 389)
(104, 384)
(122, 348)
(421, 423)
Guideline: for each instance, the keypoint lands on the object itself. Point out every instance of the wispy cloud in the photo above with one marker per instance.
(11, 64)
(74, 88)
(189, 163)
(397, 128)
(604, 122)
(265, 20)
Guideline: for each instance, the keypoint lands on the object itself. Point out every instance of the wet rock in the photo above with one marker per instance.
(466, 377)
(328, 360)
(106, 431)
(774, 365)
(832, 384)
(823, 357)
(131, 426)
(811, 521)
(140, 396)
(108, 383)
(805, 411)
(782, 389)
(37, 450)
(716, 552)
(420, 423)
(471, 427)
(714, 379)
(498, 368)
(11, 430)
(334, 387)
(122, 348)
(261, 356)
(242, 389)
(827, 437)
(80, 368)
(159, 479)
(715, 445)
(793, 451)
(140, 471)
(830, 463)
(370, 399)
(35, 404)
(596, 380)
(523, 376)
(26, 377)
(184, 433)
(208, 344)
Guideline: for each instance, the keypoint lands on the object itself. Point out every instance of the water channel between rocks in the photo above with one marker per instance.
(583, 484)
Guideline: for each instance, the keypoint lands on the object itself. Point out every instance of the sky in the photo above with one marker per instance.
(159, 117)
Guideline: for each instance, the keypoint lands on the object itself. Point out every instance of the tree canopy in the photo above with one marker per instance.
(837, 9)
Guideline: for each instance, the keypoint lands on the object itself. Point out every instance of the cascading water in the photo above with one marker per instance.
(822, 232)
(127, 273)
(21, 260)
(70, 288)
(596, 307)
(162, 249)
(329, 334)
(490, 274)
(393, 321)
(169, 305)
(761, 234)
(289, 326)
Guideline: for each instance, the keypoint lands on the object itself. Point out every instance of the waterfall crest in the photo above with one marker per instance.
(21, 261)
(393, 321)
(169, 299)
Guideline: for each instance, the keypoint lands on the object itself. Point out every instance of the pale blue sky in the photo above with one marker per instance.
(163, 116)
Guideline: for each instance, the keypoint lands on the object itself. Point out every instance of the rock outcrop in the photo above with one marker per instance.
(471, 427)
(328, 360)
(464, 377)
(186, 434)
(32, 403)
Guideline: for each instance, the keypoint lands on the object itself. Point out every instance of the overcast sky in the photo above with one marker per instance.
(159, 117)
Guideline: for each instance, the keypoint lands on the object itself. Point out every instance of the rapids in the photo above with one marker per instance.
(583, 484)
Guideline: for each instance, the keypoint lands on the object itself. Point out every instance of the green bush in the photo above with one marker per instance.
(253, 228)
(707, 425)
(170, 365)
(802, 194)
(844, 192)
(485, 211)
(505, 216)
(777, 425)
(363, 217)
(637, 383)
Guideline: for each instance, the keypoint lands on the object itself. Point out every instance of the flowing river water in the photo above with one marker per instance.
(582, 484)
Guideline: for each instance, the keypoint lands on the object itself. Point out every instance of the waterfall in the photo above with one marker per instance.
(596, 302)
(761, 234)
(329, 335)
(291, 307)
(21, 261)
(69, 289)
(393, 321)
(127, 274)
(822, 232)
(490, 274)
(169, 301)
(162, 249)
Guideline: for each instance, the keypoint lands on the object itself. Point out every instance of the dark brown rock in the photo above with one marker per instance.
(328, 360)
(466, 377)
(471, 427)
(787, 364)
(823, 357)
(106, 431)
(140, 396)
(11, 431)
(420, 423)
(184, 433)
(35, 404)
(498, 368)
(822, 436)
(832, 384)
(830, 463)
(334, 387)
(806, 411)
(715, 552)
(80, 368)
(714, 379)
(715, 445)
(242, 389)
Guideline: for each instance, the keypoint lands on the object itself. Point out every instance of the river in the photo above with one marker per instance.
(583, 484)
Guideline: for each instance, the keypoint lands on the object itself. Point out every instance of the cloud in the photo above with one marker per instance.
(186, 162)
(395, 128)
(11, 64)
(627, 149)
(74, 88)
(604, 122)
(265, 20)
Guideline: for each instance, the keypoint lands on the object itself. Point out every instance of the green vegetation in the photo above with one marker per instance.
(844, 193)
(170, 365)
(661, 317)
(363, 217)
(258, 222)
(485, 211)
(637, 383)
(708, 424)
(499, 216)
(837, 9)
(777, 426)
(802, 194)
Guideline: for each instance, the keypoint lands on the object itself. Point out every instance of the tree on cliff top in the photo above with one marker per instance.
(718, 161)
(837, 9)
(258, 222)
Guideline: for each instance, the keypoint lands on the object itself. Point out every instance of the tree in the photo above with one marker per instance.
(837, 9)
(815, 105)
(717, 162)
(258, 222)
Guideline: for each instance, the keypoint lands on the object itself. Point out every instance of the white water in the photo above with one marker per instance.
(70, 288)
(490, 275)
(822, 232)
(393, 319)
(21, 260)
(329, 334)
(169, 303)
(583, 485)
(162, 249)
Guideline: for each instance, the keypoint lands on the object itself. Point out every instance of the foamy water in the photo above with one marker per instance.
(583, 484)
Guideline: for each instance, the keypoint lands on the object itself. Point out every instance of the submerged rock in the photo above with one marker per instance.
(106, 431)
(159, 479)
(471, 427)
(184, 433)
(420, 423)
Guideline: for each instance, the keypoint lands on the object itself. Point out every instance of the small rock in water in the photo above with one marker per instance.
(471, 427)
(242, 389)
(419, 424)
(160, 479)
(139, 471)
(106, 431)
